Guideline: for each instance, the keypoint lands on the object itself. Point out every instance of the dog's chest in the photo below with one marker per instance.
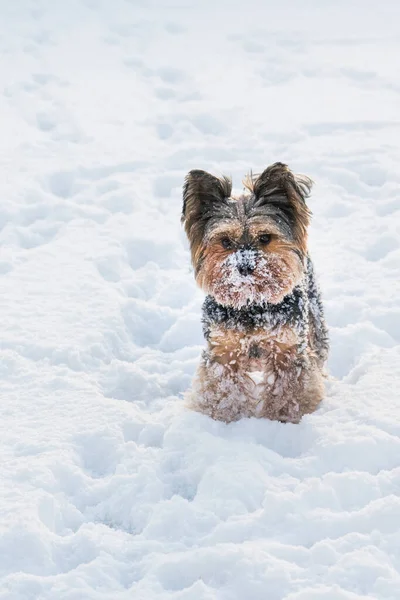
(250, 351)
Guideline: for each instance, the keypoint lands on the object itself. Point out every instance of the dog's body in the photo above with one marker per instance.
(263, 316)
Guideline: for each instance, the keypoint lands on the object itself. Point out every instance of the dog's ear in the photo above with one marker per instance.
(202, 193)
(280, 188)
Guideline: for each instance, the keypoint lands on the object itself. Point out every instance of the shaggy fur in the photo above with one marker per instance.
(263, 318)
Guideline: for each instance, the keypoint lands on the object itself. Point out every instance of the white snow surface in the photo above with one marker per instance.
(109, 487)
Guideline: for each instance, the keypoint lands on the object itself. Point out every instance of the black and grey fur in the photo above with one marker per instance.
(301, 310)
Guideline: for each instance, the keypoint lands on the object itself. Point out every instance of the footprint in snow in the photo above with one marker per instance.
(371, 174)
(174, 28)
(146, 323)
(137, 65)
(171, 75)
(388, 321)
(5, 267)
(163, 186)
(132, 384)
(141, 251)
(164, 131)
(253, 47)
(350, 343)
(99, 452)
(36, 235)
(150, 435)
(338, 210)
(381, 248)
(164, 93)
(67, 184)
(384, 209)
(64, 184)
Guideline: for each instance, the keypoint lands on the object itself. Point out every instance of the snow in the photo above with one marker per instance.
(109, 486)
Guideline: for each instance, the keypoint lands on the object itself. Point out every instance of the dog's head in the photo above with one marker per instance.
(251, 248)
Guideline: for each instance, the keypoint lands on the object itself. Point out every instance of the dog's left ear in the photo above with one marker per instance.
(202, 192)
(279, 187)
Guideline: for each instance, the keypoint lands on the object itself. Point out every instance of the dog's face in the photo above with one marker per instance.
(248, 249)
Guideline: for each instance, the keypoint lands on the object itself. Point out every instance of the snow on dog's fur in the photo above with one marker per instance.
(263, 317)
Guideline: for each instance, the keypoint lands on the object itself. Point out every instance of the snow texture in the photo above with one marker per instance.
(109, 487)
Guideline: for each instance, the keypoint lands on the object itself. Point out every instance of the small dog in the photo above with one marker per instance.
(263, 316)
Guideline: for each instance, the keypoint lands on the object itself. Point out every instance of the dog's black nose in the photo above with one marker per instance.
(246, 261)
(245, 268)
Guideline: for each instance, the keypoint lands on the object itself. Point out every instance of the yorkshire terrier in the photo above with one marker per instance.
(263, 319)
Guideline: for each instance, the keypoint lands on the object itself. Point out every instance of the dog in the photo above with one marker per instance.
(263, 319)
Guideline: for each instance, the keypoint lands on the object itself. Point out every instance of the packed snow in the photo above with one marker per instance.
(110, 488)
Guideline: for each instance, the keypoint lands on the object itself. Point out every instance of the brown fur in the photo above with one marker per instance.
(201, 191)
(282, 253)
(224, 389)
(225, 386)
(279, 178)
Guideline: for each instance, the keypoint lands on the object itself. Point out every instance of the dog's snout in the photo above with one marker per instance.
(246, 261)
(245, 268)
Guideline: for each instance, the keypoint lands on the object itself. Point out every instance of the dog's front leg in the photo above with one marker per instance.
(218, 390)
(283, 382)
(293, 385)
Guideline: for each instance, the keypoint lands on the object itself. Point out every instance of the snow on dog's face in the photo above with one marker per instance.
(248, 249)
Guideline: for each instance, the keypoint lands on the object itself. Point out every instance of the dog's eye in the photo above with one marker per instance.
(264, 239)
(227, 243)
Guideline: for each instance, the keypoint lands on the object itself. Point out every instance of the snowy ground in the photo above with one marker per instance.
(109, 487)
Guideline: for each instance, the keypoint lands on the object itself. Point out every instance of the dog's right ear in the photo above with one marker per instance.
(277, 186)
(202, 193)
